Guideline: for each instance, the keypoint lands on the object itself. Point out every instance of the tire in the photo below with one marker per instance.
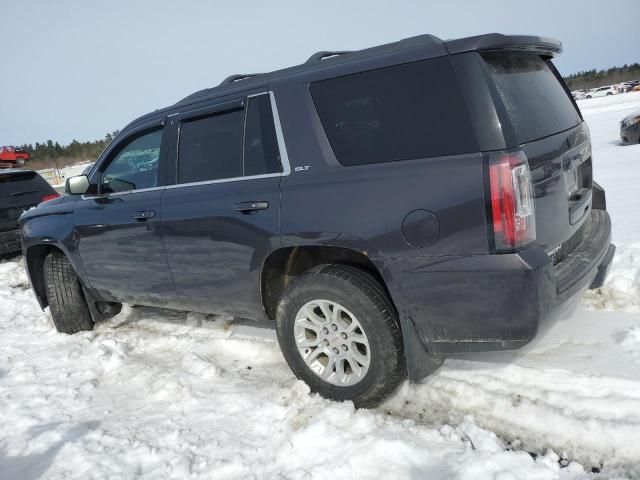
(588, 96)
(68, 306)
(609, 93)
(350, 294)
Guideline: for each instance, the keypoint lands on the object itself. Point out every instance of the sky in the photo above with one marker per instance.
(76, 69)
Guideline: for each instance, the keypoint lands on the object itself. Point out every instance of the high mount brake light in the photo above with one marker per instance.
(50, 196)
(512, 202)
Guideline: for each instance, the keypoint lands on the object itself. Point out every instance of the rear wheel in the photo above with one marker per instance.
(340, 334)
(68, 306)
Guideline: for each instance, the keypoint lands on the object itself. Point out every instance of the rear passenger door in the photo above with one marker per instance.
(221, 216)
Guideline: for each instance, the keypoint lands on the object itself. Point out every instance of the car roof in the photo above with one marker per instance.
(322, 60)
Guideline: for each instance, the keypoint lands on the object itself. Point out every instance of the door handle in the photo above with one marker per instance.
(143, 215)
(248, 207)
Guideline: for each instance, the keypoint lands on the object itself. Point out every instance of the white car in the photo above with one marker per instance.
(579, 94)
(601, 92)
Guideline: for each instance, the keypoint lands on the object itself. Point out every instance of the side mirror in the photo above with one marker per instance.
(77, 185)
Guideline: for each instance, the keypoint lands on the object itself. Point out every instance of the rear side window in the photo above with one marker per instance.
(533, 96)
(211, 148)
(414, 110)
(232, 144)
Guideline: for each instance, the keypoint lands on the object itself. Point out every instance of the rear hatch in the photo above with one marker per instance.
(538, 116)
(19, 191)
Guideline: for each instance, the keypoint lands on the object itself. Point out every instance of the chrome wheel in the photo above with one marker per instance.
(332, 342)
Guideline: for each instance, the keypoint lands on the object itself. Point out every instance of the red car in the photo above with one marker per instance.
(12, 156)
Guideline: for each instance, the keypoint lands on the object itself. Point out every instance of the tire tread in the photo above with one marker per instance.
(67, 304)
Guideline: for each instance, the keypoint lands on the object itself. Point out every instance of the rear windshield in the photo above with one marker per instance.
(533, 96)
(413, 110)
(22, 182)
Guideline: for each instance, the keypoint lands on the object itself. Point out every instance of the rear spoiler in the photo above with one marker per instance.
(547, 47)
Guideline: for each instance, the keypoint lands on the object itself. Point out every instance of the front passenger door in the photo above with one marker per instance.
(117, 228)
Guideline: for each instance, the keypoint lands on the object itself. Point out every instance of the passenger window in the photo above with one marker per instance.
(210, 148)
(135, 166)
(260, 143)
(231, 144)
(413, 110)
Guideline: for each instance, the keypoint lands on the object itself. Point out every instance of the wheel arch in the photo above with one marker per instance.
(287, 263)
(34, 262)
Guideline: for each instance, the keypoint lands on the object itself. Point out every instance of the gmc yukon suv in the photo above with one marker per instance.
(383, 207)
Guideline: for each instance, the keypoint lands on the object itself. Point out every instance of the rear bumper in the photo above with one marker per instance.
(10, 242)
(498, 302)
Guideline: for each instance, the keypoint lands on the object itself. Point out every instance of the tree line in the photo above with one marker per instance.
(50, 154)
(599, 78)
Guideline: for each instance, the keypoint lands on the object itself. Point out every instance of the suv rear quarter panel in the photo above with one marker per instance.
(362, 207)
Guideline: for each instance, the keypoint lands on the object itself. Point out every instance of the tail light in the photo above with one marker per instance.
(512, 203)
(50, 196)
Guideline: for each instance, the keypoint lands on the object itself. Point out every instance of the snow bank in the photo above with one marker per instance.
(151, 395)
(621, 291)
(613, 103)
(591, 418)
(630, 342)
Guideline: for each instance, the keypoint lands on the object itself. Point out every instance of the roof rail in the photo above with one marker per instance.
(237, 77)
(316, 57)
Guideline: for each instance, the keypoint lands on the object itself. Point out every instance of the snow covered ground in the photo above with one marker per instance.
(159, 394)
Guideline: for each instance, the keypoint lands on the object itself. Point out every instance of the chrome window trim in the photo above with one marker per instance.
(284, 156)
(84, 196)
(244, 134)
(224, 180)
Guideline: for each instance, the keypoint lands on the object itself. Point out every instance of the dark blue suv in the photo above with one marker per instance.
(383, 207)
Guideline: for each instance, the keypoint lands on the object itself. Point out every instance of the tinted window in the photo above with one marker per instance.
(16, 183)
(211, 147)
(533, 97)
(414, 110)
(260, 143)
(135, 166)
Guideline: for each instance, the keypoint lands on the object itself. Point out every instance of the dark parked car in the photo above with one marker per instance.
(19, 191)
(630, 128)
(383, 207)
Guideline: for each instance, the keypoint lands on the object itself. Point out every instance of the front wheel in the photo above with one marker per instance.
(67, 304)
(339, 333)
